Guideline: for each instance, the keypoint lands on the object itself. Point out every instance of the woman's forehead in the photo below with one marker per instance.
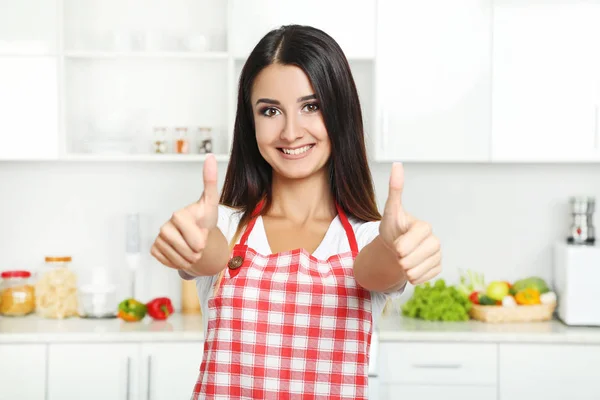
(285, 83)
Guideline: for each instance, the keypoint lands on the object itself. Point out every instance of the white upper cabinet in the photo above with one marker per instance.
(28, 27)
(545, 80)
(433, 80)
(351, 22)
(29, 108)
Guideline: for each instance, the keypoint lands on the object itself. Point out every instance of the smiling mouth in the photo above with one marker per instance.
(297, 150)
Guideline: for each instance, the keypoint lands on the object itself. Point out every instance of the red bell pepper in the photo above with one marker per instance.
(160, 308)
(474, 297)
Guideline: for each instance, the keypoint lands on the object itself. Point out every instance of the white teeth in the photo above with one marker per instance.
(297, 151)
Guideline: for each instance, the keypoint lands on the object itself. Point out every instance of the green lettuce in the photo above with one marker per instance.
(437, 302)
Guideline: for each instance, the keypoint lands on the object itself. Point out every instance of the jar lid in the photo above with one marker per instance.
(15, 274)
(58, 259)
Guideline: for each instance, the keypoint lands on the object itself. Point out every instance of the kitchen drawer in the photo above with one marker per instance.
(446, 392)
(439, 363)
(549, 371)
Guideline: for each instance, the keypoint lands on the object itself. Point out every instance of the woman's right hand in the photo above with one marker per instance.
(183, 239)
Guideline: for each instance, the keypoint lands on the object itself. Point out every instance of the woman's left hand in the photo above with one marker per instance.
(412, 240)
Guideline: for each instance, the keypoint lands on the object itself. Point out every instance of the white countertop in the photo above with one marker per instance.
(33, 329)
(397, 328)
(178, 327)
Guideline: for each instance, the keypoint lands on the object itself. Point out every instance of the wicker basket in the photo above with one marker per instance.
(499, 314)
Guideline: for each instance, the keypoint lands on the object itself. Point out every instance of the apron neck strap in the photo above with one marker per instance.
(343, 218)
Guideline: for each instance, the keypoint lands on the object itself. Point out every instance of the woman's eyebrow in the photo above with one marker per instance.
(276, 102)
(268, 101)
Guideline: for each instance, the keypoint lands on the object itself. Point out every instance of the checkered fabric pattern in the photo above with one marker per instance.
(287, 326)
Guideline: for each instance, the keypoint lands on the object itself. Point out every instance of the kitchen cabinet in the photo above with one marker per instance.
(29, 108)
(549, 372)
(101, 371)
(546, 81)
(170, 370)
(430, 370)
(433, 80)
(22, 371)
(431, 392)
(28, 27)
(351, 23)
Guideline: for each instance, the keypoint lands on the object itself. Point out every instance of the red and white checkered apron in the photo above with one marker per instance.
(287, 326)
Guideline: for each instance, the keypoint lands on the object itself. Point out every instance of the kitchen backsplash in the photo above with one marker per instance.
(498, 219)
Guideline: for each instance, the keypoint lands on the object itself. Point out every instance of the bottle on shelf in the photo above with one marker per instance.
(204, 140)
(160, 140)
(181, 141)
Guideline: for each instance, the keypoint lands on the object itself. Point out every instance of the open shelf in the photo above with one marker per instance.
(148, 54)
(142, 157)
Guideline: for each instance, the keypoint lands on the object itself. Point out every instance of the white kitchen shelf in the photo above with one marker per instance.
(143, 55)
(142, 157)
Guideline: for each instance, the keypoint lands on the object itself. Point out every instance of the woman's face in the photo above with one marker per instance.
(290, 131)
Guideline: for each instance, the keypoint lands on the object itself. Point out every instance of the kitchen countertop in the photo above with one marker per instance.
(178, 327)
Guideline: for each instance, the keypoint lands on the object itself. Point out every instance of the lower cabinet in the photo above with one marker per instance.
(437, 392)
(93, 371)
(22, 371)
(169, 370)
(549, 371)
(121, 371)
(430, 371)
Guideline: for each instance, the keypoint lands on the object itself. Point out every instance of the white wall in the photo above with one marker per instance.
(498, 219)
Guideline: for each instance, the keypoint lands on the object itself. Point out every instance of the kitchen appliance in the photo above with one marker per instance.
(97, 293)
(582, 224)
(576, 273)
(133, 250)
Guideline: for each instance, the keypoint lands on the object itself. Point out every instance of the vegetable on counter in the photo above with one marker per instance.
(437, 302)
(509, 301)
(131, 310)
(528, 296)
(497, 290)
(160, 308)
(533, 282)
(470, 282)
(548, 298)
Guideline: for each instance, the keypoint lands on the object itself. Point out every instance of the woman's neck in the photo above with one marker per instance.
(302, 199)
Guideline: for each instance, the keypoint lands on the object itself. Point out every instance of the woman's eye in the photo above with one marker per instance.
(269, 112)
(311, 107)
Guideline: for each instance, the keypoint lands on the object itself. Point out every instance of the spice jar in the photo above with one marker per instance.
(160, 140)
(181, 143)
(17, 296)
(204, 140)
(56, 289)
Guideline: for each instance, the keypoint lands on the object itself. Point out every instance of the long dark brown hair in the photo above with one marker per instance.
(249, 176)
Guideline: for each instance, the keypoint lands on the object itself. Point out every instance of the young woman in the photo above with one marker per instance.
(294, 261)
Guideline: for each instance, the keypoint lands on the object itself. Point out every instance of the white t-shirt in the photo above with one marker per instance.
(334, 242)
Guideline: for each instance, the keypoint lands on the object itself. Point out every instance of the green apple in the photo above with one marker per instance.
(497, 290)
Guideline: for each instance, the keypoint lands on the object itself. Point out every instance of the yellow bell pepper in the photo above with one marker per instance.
(528, 296)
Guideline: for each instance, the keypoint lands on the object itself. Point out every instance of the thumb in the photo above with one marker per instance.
(396, 184)
(211, 194)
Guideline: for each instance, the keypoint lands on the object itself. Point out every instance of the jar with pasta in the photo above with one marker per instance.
(17, 295)
(56, 289)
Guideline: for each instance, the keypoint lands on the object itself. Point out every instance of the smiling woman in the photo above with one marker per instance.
(294, 262)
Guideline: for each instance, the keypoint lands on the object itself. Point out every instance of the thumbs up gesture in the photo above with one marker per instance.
(412, 241)
(183, 238)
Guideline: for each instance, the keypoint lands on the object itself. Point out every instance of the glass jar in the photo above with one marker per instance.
(17, 295)
(204, 140)
(182, 143)
(160, 140)
(56, 289)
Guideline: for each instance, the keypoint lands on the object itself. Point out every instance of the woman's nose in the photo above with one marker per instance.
(292, 130)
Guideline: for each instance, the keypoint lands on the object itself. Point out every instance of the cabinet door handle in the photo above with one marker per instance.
(149, 377)
(128, 378)
(437, 366)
